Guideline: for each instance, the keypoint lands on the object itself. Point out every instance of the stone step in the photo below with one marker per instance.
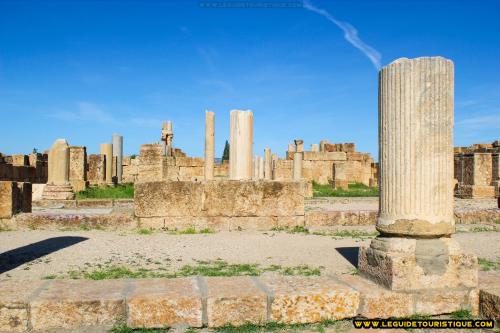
(216, 301)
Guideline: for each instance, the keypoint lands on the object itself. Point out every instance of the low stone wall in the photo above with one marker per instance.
(224, 204)
(84, 203)
(86, 305)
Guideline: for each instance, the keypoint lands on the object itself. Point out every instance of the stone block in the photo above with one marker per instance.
(489, 303)
(441, 301)
(8, 198)
(309, 299)
(164, 302)
(95, 203)
(72, 304)
(325, 156)
(189, 162)
(24, 197)
(219, 198)
(14, 302)
(235, 301)
(340, 184)
(405, 264)
(378, 302)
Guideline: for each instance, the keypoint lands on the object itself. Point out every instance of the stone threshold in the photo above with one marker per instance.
(82, 305)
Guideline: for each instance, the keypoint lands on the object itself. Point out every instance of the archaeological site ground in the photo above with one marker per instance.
(249, 166)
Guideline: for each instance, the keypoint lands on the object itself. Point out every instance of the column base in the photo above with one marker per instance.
(58, 192)
(406, 264)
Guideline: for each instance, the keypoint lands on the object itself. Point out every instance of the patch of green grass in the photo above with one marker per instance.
(49, 277)
(190, 231)
(144, 231)
(203, 268)
(249, 328)
(354, 190)
(489, 265)
(120, 191)
(461, 314)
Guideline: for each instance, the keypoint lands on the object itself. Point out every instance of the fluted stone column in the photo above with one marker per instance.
(416, 147)
(241, 152)
(118, 154)
(274, 160)
(167, 136)
(107, 151)
(268, 164)
(209, 145)
(415, 251)
(58, 185)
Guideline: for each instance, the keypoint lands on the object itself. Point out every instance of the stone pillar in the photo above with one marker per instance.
(261, 168)
(315, 148)
(78, 168)
(268, 164)
(58, 186)
(241, 151)
(297, 159)
(117, 141)
(256, 167)
(322, 144)
(274, 160)
(209, 145)
(107, 151)
(414, 251)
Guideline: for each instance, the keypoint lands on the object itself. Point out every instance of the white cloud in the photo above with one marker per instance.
(483, 122)
(85, 112)
(350, 34)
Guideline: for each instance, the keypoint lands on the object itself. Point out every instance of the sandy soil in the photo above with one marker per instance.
(36, 254)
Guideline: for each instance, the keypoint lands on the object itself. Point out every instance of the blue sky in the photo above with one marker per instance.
(82, 70)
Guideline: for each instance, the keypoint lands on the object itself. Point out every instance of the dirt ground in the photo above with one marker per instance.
(38, 254)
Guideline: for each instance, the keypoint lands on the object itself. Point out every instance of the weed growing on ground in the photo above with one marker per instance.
(251, 328)
(489, 265)
(120, 191)
(144, 231)
(354, 190)
(203, 268)
(4, 228)
(461, 314)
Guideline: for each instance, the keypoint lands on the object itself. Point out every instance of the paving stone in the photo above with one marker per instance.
(14, 299)
(378, 302)
(298, 299)
(73, 304)
(164, 302)
(235, 301)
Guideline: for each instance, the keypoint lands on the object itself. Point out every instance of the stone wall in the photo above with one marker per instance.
(14, 198)
(223, 204)
(476, 170)
(130, 167)
(318, 166)
(31, 168)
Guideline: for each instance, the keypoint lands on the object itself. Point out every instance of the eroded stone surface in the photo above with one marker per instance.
(378, 302)
(310, 299)
(79, 303)
(410, 264)
(235, 301)
(14, 299)
(164, 302)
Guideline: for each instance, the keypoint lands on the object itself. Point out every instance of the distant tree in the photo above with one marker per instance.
(225, 154)
(35, 150)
